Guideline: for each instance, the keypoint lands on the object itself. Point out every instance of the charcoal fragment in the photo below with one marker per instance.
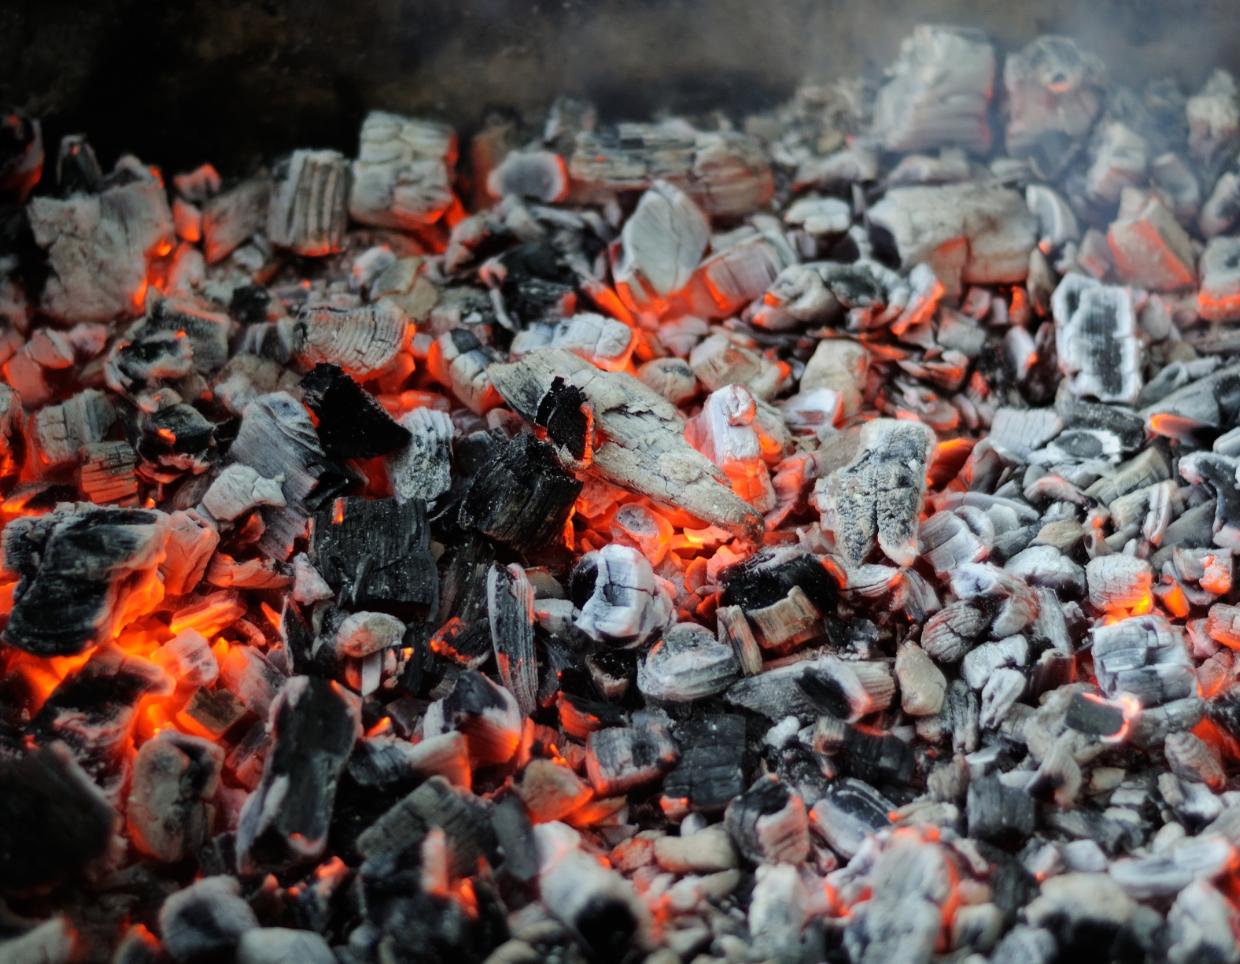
(351, 424)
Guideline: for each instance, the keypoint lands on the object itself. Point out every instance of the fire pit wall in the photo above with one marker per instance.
(470, 522)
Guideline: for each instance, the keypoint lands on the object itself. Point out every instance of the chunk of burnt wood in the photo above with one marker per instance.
(168, 812)
(1149, 246)
(620, 758)
(107, 474)
(377, 553)
(174, 439)
(1096, 339)
(876, 497)
(1054, 93)
(308, 209)
(484, 712)
(362, 340)
(849, 813)
(402, 177)
(619, 600)
(711, 771)
(1218, 473)
(514, 833)
(569, 420)
(351, 424)
(767, 576)
(879, 758)
(232, 217)
(205, 921)
(1143, 656)
(99, 245)
(277, 438)
(314, 725)
(21, 155)
(1219, 296)
(661, 244)
(81, 575)
(53, 820)
(60, 432)
(276, 945)
(537, 175)
(686, 664)
(998, 812)
(938, 91)
(521, 497)
(422, 469)
(510, 606)
(212, 713)
(464, 819)
(643, 447)
(768, 823)
(237, 490)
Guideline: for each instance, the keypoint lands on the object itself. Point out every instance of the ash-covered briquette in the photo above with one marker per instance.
(807, 536)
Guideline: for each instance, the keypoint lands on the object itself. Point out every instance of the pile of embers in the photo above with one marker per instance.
(808, 539)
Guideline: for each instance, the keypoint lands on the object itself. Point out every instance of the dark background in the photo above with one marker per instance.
(184, 81)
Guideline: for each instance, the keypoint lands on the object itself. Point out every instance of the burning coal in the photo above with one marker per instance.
(805, 539)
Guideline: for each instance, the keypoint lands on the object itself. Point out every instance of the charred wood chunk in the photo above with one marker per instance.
(688, 663)
(460, 361)
(849, 813)
(363, 340)
(1218, 473)
(768, 823)
(766, 577)
(510, 605)
(514, 833)
(711, 770)
(276, 945)
(566, 415)
(177, 336)
(1219, 297)
(98, 247)
(60, 432)
(213, 713)
(402, 177)
(174, 439)
(205, 921)
(660, 246)
(285, 821)
(377, 553)
(619, 601)
(1054, 93)
(1096, 339)
(877, 496)
(485, 713)
(82, 575)
(237, 490)
(643, 447)
(277, 438)
(53, 820)
(620, 758)
(308, 210)
(1093, 716)
(351, 424)
(938, 92)
(537, 175)
(464, 819)
(232, 217)
(21, 155)
(521, 497)
(422, 469)
(998, 812)
(174, 778)
(1149, 246)
(880, 758)
(108, 473)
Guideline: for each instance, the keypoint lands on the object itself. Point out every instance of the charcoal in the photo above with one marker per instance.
(1096, 717)
(849, 812)
(621, 758)
(710, 772)
(997, 812)
(168, 812)
(402, 177)
(376, 551)
(1201, 923)
(363, 341)
(521, 497)
(1096, 339)
(56, 822)
(923, 686)
(768, 823)
(485, 713)
(422, 468)
(767, 576)
(1149, 246)
(1218, 472)
(351, 424)
(314, 727)
(307, 213)
(686, 664)
(878, 758)
(21, 155)
(53, 942)
(459, 361)
(61, 432)
(705, 851)
(551, 791)
(82, 576)
(510, 605)
(877, 495)
(463, 818)
(620, 603)
(205, 921)
(538, 175)
(231, 217)
(250, 675)
(108, 474)
(644, 435)
(660, 246)
(728, 359)
(212, 713)
(272, 945)
(514, 834)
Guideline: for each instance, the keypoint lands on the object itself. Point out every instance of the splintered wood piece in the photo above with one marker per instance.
(660, 246)
(307, 213)
(1149, 246)
(234, 216)
(510, 608)
(1054, 93)
(314, 725)
(1096, 339)
(376, 552)
(84, 575)
(98, 247)
(938, 92)
(363, 340)
(876, 497)
(277, 438)
(402, 177)
(643, 447)
(622, 603)
(968, 233)
(422, 469)
(60, 432)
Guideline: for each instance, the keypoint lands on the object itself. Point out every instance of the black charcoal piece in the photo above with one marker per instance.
(998, 812)
(212, 713)
(849, 812)
(484, 712)
(1094, 716)
(768, 823)
(566, 415)
(514, 834)
(351, 424)
(768, 575)
(711, 770)
(521, 497)
(620, 758)
(53, 820)
(174, 777)
(464, 819)
(510, 604)
(383, 764)
(878, 757)
(376, 553)
(205, 921)
(76, 570)
(314, 726)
